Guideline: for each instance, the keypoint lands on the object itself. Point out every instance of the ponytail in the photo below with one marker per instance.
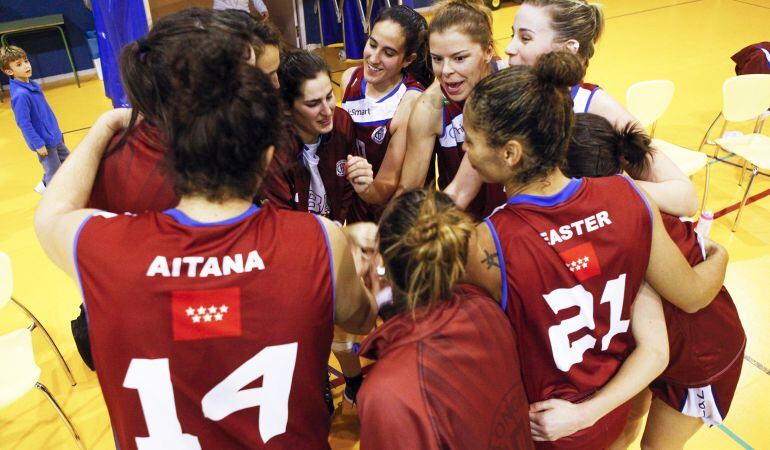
(597, 149)
(423, 240)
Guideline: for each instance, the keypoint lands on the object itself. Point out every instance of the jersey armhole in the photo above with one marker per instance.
(639, 193)
(75, 261)
(501, 259)
(591, 96)
(331, 265)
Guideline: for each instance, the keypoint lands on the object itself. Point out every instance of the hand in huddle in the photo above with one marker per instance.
(359, 173)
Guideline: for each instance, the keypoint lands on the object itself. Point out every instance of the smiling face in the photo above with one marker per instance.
(532, 36)
(268, 63)
(458, 62)
(313, 110)
(19, 69)
(384, 57)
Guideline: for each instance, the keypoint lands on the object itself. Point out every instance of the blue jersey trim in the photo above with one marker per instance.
(393, 92)
(75, 260)
(375, 123)
(184, 219)
(574, 91)
(644, 199)
(331, 265)
(553, 200)
(590, 97)
(501, 259)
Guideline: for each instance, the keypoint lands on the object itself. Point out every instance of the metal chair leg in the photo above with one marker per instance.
(706, 187)
(63, 416)
(69, 55)
(745, 196)
(47, 336)
(706, 135)
(743, 172)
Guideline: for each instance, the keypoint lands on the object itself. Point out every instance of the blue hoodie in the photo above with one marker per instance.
(33, 115)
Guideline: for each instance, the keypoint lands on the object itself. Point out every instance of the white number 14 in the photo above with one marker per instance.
(152, 379)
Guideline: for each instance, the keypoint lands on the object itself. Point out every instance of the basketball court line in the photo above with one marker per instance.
(75, 131)
(756, 364)
(653, 9)
(735, 437)
(752, 4)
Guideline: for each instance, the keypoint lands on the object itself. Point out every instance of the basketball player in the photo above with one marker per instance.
(380, 94)
(202, 328)
(462, 53)
(543, 26)
(706, 348)
(447, 373)
(567, 258)
(310, 172)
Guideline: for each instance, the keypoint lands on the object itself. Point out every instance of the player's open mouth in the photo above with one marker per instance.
(325, 122)
(454, 88)
(373, 69)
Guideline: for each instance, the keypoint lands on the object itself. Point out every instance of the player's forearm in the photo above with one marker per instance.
(641, 367)
(711, 277)
(71, 187)
(379, 192)
(676, 197)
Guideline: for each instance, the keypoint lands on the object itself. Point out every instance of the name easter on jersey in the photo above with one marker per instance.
(200, 267)
(577, 228)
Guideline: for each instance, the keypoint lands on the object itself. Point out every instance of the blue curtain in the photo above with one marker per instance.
(117, 22)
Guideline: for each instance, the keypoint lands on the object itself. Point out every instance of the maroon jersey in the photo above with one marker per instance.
(754, 58)
(133, 178)
(372, 125)
(449, 379)
(704, 344)
(570, 274)
(287, 182)
(210, 335)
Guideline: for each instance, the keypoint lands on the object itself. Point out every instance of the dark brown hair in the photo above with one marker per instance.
(423, 240)
(415, 29)
(598, 149)
(575, 19)
(471, 17)
(531, 105)
(298, 66)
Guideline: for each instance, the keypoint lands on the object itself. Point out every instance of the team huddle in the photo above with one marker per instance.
(528, 282)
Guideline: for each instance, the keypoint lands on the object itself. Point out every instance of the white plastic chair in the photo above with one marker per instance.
(647, 101)
(744, 98)
(6, 295)
(20, 374)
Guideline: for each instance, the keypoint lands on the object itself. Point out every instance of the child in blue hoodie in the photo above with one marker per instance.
(33, 114)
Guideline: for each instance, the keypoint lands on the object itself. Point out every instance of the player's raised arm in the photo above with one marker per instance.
(423, 127)
(61, 210)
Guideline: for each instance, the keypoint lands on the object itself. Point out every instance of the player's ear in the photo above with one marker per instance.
(513, 151)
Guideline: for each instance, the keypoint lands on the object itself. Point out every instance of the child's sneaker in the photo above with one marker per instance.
(40, 188)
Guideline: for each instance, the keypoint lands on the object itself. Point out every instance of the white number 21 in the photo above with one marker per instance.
(566, 353)
(152, 379)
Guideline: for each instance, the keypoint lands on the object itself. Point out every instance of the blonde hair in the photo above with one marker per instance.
(575, 19)
(470, 16)
(9, 54)
(423, 240)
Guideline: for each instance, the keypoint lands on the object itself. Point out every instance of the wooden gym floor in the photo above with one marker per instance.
(689, 42)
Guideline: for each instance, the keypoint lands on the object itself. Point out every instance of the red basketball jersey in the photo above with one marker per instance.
(371, 120)
(702, 345)
(133, 178)
(572, 265)
(287, 181)
(449, 151)
(450, 380)
(213, 335)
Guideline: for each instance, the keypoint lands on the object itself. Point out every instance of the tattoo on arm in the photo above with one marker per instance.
(491, 259)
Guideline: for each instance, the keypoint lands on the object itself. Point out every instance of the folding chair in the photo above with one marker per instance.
(647, 101)
(20, 374)
(744, 98)
(6, 295)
